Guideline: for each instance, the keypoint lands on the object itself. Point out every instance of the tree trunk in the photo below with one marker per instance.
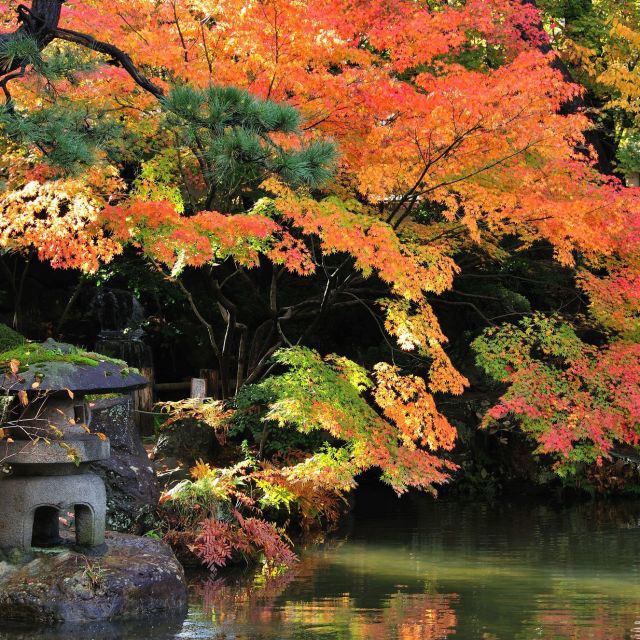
(41, 23)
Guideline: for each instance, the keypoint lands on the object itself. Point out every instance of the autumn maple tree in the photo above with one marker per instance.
(306, 159)
(600, 43)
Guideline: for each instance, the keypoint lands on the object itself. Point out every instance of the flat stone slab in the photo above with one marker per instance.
(104, 377)
(87, 449)
(136, 578)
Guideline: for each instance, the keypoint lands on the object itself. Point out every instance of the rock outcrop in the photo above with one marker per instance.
(132, 488)
(136, 578)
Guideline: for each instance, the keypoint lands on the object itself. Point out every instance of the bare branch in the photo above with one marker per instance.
(85, 40)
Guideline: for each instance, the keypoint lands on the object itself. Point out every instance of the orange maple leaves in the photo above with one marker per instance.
(61, 220)
(431, 104)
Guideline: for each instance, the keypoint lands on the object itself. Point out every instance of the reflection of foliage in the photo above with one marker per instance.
(242, 603)
(573, 621)
(462, 574)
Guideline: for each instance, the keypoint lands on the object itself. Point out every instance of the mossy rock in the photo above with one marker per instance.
(9, 339)
(135, 578)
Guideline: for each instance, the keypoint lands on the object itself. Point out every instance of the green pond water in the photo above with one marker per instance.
(418, 569)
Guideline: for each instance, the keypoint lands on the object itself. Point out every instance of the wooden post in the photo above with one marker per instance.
(198, 389)
(211, 378)
(143, 402)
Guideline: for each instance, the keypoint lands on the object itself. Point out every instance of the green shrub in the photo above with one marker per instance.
(9, 338)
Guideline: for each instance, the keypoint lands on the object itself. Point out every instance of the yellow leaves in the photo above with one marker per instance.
(37, 380)
(621, 30)
(101, 436)
(374, 244)
(416, 327)
(22, 396)
(60, 220)
(443, 376)
(405, 401)
(72, 452)
(201, 470)
(612, 67)
(580, 56)
(13, 366)
(412, 325)
(212, 412)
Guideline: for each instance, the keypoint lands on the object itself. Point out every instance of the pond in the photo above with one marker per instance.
(419, 569)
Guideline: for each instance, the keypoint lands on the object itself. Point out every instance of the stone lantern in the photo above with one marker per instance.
(52, 448)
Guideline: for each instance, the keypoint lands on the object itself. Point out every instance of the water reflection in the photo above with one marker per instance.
(157, 629)
(416, 569)
(420, 570)
(257, 608)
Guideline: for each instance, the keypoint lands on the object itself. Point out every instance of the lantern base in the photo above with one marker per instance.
(33, 505)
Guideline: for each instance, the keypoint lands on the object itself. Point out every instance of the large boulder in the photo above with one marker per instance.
(9, 338)
(179, 446)
(136, 578)
(132, 487)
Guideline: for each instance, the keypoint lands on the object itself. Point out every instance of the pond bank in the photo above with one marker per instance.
(135, 578)
(420, 569)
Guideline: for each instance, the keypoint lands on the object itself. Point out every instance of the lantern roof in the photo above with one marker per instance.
(57, 366)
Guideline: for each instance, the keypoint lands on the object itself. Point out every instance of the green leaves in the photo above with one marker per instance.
(9, 339)
(218, 108)
(500, 351)
(233, 133)
(22, 50)
(629, 153)
(67, 133)
(310, 166)
(317, 394)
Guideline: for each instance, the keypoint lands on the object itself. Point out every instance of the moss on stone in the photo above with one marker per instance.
(9, 339)
(95, 397)
(31, 353)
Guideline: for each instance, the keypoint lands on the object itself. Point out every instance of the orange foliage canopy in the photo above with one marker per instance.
(451, 104)
(449, 124)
